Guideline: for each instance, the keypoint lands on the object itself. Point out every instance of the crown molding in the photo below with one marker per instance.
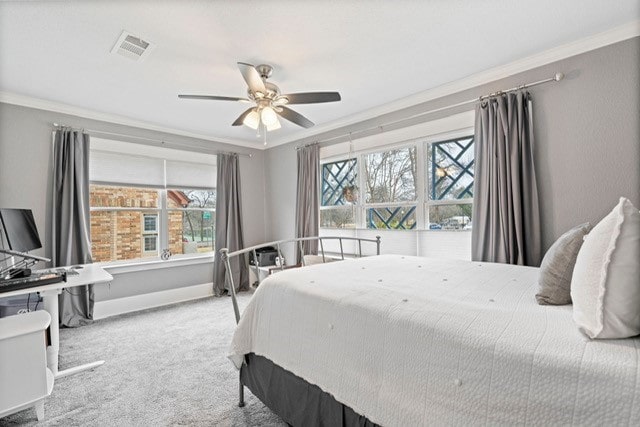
(58, 107)
(586, 44)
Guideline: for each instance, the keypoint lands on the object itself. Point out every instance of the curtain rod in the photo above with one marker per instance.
(311, 144)
(161, 141)
(556, 78)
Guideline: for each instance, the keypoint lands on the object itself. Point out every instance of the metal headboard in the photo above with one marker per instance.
(226, 256)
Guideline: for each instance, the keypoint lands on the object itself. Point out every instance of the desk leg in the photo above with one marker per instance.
(53, 351)
(80, 368)
(51, 306)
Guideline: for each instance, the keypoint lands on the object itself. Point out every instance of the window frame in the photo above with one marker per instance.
(364, 208)
(192, 209)
(144, 243)
(146, 234)
(422, 186)
(144, 223)
(448, 137)
(162, 233)
(344, 206)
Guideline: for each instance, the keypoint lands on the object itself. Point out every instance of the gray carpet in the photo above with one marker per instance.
(164, 366)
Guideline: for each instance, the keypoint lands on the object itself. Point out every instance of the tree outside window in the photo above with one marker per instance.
(390, 178)
(192, 215)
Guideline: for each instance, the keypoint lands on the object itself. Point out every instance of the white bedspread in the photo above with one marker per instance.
(412, 341)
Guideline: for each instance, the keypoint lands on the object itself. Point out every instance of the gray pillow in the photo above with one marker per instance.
(554, 280)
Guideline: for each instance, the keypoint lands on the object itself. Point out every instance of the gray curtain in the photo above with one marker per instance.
(229, 224)
(70, 220)
(506, 216)
(308, 198)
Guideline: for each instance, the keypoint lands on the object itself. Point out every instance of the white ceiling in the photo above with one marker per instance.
(372, 52)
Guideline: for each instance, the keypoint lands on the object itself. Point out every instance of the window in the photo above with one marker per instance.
(450, 184)
(339, 192)
(151, 223)
(124, 220)
(126, 225)
(141, 205)
(150, 234)
(191, 220)
(390, 180)
(423, 185)
(151, 244)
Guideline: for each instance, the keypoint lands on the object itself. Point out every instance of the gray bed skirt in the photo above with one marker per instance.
(296, 401)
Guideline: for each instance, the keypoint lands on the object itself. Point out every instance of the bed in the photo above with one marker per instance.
(399, 340)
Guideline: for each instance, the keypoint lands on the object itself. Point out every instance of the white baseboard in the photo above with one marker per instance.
(113, 307)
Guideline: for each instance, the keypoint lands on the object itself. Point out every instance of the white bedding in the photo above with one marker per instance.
(414, 341)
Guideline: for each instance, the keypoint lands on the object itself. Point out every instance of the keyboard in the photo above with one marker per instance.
(36, 279)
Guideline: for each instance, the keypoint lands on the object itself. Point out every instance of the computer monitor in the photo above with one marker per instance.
(20, 229)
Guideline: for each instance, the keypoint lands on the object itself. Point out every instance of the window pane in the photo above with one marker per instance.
(150, 223)
(450, 169)
(184, 198)
(122, 197)
(450, 217)
(391, 176)
(151, 244)
(337, 218)
(394, 218)
(338, 178)
(191, 231)
(118, 235)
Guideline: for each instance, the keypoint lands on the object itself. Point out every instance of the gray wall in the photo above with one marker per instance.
(25, 181)
(587, 131)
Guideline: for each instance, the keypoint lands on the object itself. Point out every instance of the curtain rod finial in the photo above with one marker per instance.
(558, 77)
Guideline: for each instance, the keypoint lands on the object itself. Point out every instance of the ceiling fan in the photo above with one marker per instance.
(270, 103)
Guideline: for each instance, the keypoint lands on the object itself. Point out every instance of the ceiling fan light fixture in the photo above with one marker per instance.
(268, 116)
(252, 120)
(281, 100)
(275, 126)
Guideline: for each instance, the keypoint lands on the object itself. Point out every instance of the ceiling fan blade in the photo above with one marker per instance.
(252, 77)
(294, 117)
(312, 97)
(240, 120)
(214, 98)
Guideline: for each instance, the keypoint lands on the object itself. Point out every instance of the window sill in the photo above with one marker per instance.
(123, 267)
(396, 230)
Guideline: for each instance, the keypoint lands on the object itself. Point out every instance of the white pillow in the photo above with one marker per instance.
(605, 287)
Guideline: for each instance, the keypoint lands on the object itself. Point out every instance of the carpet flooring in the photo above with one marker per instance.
(164, 366)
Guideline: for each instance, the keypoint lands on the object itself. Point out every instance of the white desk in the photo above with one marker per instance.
(90, 273)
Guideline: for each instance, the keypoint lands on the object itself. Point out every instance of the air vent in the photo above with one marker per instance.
(132, 47)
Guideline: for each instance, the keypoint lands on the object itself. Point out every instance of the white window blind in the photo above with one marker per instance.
(190, 175)
(128, 164)
(125, 169)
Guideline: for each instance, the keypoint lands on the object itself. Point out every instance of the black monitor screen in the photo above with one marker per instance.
(20, 229)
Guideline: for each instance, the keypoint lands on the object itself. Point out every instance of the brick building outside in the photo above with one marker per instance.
(130, 233)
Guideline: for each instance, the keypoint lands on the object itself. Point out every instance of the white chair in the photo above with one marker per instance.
(25, 380)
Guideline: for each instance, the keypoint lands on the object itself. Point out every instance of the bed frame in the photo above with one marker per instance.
(299, 243)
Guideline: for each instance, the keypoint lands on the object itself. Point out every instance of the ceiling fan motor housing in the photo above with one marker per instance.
(273, 92)
(265, 70)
